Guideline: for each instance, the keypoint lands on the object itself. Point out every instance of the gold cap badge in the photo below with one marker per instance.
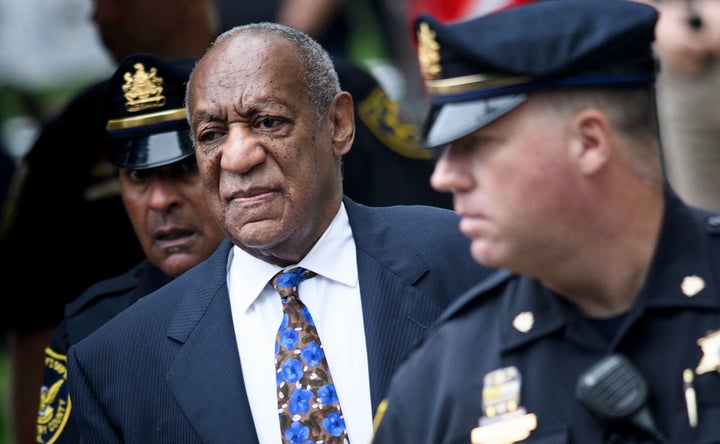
(143, 90)
(431, 70)
(428, 52)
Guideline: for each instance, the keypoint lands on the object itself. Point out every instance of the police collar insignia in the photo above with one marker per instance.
(144, 89)
(524, 321)
(692, 285)
(504, 421)
(710, 345)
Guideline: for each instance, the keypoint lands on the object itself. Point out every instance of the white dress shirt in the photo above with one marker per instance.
(333, 298)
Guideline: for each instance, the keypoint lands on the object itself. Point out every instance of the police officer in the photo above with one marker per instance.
(147, 139)
(604, 326)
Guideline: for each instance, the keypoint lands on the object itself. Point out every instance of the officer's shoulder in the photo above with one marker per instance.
(710, 221)
(119, 284)
(79, 114)
(490, 287)
(477, 297)
(80, 106)
(707, 227)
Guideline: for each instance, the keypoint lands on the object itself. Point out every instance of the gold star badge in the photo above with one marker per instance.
(710, 345)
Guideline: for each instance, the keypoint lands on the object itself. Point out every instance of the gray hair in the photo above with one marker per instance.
(320, 75)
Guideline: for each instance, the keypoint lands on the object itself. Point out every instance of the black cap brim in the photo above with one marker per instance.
(149, 151)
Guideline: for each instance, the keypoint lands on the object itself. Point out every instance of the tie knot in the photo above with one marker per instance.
(290, 279)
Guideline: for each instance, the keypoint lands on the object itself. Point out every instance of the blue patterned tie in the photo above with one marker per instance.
(307, 402)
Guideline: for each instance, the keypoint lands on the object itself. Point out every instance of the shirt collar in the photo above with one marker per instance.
(332, 257)
(680, 277)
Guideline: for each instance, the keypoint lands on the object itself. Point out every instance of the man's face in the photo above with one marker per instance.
(170, 216)
(510, 181)
(270, 165)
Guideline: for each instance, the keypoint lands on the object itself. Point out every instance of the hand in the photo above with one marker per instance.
(682, 48)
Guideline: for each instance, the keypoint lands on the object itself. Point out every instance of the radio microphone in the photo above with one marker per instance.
(614, 390)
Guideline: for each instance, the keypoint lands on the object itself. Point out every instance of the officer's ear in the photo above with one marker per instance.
(591, 140)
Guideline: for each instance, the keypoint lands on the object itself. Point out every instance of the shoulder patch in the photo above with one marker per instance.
(55, 406)
(382, 117)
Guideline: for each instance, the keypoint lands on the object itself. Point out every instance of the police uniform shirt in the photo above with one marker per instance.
(93, 308)
(509, 321)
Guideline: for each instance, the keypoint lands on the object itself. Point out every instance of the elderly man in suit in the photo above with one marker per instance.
(195, 361)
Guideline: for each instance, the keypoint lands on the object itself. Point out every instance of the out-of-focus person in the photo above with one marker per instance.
(343, 28)
(69, 226)
(687, 41)
(148, 140)
(166, 28)
(604, 325)
(270, 126)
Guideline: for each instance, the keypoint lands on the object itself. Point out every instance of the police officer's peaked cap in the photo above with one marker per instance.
(479, 69)
(143, 105)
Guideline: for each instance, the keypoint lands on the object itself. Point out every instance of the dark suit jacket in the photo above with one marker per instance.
(167, 369)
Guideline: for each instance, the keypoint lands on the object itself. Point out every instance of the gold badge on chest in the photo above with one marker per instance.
(504, 421)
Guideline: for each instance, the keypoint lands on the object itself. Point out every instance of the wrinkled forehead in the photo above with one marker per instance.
(248, 56)
(244, 78)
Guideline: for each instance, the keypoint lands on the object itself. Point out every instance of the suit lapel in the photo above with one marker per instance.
(206, 377)
(390, 325)
(396, 312)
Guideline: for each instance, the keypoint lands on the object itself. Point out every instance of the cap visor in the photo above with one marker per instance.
(150, 151)
(450, 121)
